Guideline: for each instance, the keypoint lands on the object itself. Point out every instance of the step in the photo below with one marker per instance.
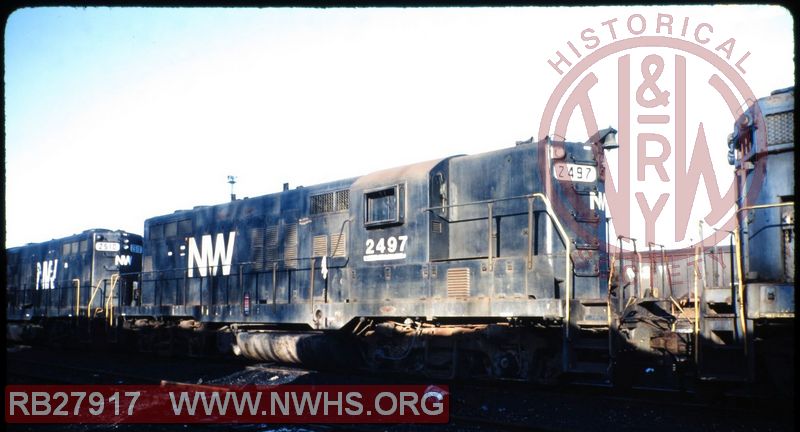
(709, 346)
(727, 377)
(589, 368)
(591, 344)
(650, 299)
(594, 302)
(592, 323)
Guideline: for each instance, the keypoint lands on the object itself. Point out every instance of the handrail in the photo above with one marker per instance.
(665, 268)
(567, 261)
(274, 284)
(765, 206)
(490, 228)
(311, 288)
(109, 306)
(608, 293)
(77, 283)
(675, 302)
(696, 307)
(739, 264)
(530, 233)
(739, 270)
(252, 264)
(91, 299)
(485, 202)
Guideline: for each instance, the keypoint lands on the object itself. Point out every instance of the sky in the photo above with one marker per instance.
(115, 115)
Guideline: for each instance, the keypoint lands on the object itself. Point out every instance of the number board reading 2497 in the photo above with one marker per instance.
(575, 172)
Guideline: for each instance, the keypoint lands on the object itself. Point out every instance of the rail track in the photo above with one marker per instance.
(475, 405)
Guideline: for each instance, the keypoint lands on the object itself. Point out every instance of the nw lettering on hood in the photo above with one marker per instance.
(211, 256)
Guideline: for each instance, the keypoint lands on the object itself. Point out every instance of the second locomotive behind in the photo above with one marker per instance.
(70, 282)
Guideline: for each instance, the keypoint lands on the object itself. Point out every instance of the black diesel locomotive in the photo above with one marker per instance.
(492, 265)
(52, 284)
(427, 267)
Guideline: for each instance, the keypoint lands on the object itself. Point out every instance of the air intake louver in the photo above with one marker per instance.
(290, 246)
(257, 247)
(458, 282)
(320, 246)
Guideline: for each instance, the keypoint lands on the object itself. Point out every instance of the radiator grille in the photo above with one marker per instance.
(330, 202)
(780, 128)
(343, 199)
(458, 282)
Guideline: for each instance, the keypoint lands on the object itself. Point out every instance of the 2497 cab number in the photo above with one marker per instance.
(386, 248)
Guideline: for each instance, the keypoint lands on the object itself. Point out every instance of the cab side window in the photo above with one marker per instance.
(384, 206)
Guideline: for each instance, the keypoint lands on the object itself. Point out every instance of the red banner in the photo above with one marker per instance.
(227, 404)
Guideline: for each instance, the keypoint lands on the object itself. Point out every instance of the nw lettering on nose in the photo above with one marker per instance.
(46, 274)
